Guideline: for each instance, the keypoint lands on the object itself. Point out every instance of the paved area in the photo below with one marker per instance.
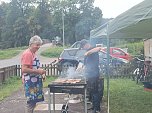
(16, 60)
(45, 60)
(16, 103)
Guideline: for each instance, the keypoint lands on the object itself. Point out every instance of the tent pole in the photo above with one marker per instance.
(108, 73)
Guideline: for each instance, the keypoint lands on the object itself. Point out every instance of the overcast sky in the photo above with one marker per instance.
(112, 8)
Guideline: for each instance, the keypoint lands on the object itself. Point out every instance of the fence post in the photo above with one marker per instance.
(1, 77)
(51, 70)
(16, 70)
(48, 69)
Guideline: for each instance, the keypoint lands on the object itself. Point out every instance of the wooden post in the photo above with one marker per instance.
(1, 77)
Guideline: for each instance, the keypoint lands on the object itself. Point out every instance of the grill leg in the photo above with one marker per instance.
(85, 100)
(49, 104)
(53, 103)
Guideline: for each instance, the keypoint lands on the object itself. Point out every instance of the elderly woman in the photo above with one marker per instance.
(32, 74)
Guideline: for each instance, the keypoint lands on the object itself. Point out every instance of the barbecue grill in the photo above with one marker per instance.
(70, 86)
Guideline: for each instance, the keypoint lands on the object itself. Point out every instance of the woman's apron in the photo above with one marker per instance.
(33, 85)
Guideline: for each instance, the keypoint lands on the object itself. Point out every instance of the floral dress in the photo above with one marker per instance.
(33, 85)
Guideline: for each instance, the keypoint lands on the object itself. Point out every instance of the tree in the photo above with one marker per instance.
(13, 13)
(43, 16)
(89, 19)
(22, 19)
(3, 10)
(33, 26)
(20, 31)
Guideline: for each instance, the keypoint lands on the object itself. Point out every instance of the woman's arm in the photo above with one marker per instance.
(26, 69)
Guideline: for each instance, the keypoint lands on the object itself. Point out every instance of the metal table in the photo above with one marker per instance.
(71, 88)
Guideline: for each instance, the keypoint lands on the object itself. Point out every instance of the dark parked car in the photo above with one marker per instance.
(72, 56)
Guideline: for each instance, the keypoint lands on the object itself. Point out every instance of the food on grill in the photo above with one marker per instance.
(72, 81)
(59, 80)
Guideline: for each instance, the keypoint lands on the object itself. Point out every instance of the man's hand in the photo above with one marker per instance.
(80, 67)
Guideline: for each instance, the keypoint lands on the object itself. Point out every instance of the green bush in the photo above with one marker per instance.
(135, 48)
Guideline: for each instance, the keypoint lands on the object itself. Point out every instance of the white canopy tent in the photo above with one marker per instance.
(134, 23)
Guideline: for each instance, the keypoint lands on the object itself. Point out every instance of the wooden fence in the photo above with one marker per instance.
(117, 71)
(15, 70)
(121, 71)
(6, 72)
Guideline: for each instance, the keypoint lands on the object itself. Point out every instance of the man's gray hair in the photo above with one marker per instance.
(35, 39)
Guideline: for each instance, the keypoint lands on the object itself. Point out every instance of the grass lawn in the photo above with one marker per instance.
(128, 97)
(48, 80)
(52, 52)
(9, 53)
(14, 83)
(125, 95)
(10, 85)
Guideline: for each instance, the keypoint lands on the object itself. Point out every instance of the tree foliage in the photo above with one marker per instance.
(21, 19)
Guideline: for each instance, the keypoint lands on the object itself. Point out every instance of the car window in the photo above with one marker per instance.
(76, 45)
(118, 52)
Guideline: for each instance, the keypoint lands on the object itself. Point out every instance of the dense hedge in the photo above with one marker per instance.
(135, 49)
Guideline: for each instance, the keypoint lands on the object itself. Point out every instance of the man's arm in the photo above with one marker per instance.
(96, 49)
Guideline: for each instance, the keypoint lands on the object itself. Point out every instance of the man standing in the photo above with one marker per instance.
(91, 69)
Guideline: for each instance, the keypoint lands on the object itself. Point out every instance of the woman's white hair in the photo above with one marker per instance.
(35, 39)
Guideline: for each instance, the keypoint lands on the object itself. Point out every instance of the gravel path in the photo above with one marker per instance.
(16, 104)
